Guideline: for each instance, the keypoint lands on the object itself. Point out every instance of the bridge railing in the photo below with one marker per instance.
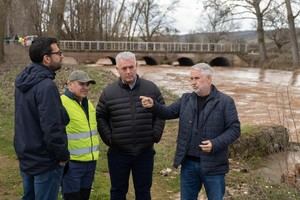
(69, 45)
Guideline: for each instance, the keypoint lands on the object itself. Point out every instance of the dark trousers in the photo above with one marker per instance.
(78, 179)
(141, 167)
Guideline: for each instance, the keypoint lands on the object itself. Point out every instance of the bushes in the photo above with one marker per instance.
(259, 141)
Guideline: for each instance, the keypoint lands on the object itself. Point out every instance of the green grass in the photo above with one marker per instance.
(259, 188)
(164, 187)
(7, 111)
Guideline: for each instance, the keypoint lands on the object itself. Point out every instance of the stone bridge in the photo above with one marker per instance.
(157, 53)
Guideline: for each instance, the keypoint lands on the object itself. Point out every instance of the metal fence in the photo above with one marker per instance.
(68, 45)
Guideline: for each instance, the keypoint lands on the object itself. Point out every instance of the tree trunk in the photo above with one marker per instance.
(293, 34)
(56, 18)
(260, 35)
(117, 22)
(3, 14)
(261, 41)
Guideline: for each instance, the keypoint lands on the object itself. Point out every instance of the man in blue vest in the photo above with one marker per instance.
(83, 140)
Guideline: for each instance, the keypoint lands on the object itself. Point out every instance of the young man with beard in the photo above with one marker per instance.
(40, 139)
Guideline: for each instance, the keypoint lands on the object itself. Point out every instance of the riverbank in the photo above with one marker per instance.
(243, 181)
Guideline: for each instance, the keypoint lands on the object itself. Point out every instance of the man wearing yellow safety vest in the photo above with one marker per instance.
(83, 140)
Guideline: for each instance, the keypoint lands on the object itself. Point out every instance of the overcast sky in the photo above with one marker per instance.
(188, 14)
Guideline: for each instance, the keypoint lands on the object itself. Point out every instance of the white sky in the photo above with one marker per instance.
(187, 16)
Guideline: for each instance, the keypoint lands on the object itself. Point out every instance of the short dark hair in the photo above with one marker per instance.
(40, 46)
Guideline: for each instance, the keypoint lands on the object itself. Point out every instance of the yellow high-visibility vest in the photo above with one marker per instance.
(83, 139)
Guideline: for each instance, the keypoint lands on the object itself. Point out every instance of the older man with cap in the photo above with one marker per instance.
(208, 124)
(83, 140)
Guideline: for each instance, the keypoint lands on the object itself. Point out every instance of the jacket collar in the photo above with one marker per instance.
(212, 95)
(126, 86)
(72, 96)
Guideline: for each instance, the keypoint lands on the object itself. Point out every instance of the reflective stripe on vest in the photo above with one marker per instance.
(83, 140)
(84, 150)
(77, 136)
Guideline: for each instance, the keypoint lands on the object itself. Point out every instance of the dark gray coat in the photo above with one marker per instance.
(218, 122)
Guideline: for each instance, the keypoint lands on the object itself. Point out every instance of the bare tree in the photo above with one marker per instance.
(258, 8)
(117, 20)
(4, 6)
(276, 21)
(218, 20)
(259, 13)
(134, 12)
(56, 18)
(293, 34)
(154, 20)
(80, 19)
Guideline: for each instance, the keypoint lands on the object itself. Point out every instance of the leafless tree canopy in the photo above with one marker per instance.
(218, 20)
(90, 19)
(146, 20)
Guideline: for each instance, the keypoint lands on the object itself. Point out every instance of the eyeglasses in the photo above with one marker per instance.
(57, 53)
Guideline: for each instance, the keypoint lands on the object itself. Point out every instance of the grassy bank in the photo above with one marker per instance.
(242, 184)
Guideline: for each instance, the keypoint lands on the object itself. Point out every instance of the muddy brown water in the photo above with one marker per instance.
(261, 96)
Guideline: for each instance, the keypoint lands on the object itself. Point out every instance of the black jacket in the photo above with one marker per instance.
(40, 139)
(123, 123)
(217, 122)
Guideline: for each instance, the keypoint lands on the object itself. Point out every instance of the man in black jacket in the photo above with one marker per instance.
(129, 129)
(40, 139)
(208, 124)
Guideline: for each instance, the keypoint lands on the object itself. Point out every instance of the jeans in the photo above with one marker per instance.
(192, 180)
(44, 186)
(141, 167)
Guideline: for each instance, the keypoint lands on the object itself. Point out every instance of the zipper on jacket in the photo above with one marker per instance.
(133, 114)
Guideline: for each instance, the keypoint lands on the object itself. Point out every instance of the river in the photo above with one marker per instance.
(261, 96)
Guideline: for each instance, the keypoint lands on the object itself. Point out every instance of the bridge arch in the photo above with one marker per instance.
(150, 61)
(184, 61)
(220, 61)
(112, 59)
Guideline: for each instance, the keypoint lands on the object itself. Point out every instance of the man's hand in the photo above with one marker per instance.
(206, 146)
(147, 102)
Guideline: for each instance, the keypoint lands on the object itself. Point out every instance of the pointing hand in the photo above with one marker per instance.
(147, 102)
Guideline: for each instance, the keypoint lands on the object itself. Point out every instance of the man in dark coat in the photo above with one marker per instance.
(129, 130)
(40, 139)
(208, 124)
